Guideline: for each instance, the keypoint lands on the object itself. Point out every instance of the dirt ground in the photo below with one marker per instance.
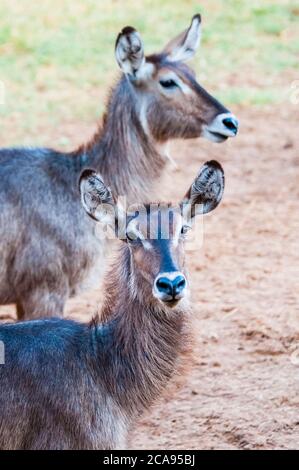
(243, 388)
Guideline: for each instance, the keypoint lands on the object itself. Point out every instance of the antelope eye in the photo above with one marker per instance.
(185, 229)
(131, 236)
(168, 83)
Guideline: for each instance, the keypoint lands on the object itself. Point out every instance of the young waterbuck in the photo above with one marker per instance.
(66, 385)
(48, 246)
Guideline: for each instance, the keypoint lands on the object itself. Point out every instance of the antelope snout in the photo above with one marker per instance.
(223, 126)
(170, 287)
(231, 124)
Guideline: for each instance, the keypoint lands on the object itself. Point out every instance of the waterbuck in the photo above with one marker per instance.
(66, 385)
(48, 246)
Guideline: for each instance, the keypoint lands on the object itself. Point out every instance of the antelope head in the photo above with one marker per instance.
(172, 104)
(155, 233)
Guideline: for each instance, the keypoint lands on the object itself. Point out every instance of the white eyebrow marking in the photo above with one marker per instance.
(173, 76)
(132, 227)
(177, 235)
(178, 229)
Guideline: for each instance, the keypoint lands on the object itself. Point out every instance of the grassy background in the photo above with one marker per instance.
(57, 56)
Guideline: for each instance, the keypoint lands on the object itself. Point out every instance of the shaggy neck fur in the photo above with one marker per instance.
(140, 341)
(121, 150)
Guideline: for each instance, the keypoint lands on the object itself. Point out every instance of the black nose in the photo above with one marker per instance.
(171, 287)
(231, 123)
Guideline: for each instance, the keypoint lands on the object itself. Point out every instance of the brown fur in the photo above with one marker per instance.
(145, 332)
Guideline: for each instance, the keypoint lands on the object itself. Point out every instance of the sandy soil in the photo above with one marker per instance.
(243, 388)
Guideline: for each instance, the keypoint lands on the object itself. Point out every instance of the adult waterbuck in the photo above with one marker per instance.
(66, 385)
(47, 244)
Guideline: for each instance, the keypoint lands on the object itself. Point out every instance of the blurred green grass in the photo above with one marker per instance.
(57, 56)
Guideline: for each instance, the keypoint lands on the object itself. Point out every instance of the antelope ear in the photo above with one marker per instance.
(183, 47)
(129, 51)
(206, 191)
(96, 197)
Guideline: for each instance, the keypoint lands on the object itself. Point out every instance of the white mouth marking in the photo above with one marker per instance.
(217, 131)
